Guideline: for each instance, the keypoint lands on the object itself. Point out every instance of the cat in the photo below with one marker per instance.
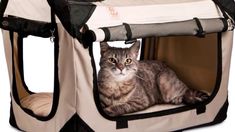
(127, 85)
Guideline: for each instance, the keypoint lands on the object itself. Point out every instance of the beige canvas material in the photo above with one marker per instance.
(76, 95)
(67, 102)
(19, 83)
(141, 2)
(30, 9)
(163, 123)
(8, 53)
(114, 13)
(76, 72)
(152, 11)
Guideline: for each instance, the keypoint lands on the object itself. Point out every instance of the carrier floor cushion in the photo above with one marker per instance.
(39, 103)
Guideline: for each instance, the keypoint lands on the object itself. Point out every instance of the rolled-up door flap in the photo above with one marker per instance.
(134, 31)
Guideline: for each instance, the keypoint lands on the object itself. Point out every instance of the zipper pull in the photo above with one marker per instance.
(52, 38)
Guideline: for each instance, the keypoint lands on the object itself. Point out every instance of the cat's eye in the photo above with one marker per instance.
(128, 61)
(112, 60)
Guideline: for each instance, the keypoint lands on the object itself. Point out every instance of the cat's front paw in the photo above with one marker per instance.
(201, 96)
(109, 111)
(194, 97)
(177, 100)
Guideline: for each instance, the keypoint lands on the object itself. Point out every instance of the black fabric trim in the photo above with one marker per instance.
(76, 124)
(220, 117)
(21, 61)
(88, 38)
(120, 124)
(3, 5)
(56, 93)
(73, 14)
(225, 24)
(201, 109)
(12, 119)
(164, 112)
(56, 78)
(14, 89)
(221, 8)
(128, 31)
(53, 20)
(26, 27)
(200, 32)
(226, 6)
(107, 33)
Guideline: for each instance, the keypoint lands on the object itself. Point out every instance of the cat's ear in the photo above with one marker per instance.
(103, 47)
(135, 48)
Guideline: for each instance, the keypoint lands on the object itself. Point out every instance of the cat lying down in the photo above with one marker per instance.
(127, 85)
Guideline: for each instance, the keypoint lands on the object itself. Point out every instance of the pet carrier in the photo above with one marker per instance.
(194, 37)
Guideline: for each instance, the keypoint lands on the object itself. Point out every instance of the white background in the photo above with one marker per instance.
(36, 46)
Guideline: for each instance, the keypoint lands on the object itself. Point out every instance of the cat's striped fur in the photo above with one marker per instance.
(127, 85)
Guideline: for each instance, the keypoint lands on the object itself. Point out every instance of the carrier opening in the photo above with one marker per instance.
(36, 96)
(39, 65)
(195, 61)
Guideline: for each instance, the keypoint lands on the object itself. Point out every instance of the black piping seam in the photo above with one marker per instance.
(14, 89)
(164, 112)
(12, 119)
(200, 32)
(107, 34)
(128, 31)
(21, 62)
(53, 20)
(225, 24)
(56, 82)
(222, 9)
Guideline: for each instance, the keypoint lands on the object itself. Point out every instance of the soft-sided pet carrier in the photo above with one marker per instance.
(194, 37)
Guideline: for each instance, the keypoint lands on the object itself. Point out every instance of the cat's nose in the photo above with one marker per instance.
(120, 66)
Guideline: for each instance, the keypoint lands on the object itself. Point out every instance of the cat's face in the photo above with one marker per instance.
(121, 63)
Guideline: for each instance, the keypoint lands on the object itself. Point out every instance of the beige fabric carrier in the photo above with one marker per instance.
(194, 37)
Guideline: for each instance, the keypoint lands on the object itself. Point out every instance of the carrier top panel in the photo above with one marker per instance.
(117, 12)
(74, 14)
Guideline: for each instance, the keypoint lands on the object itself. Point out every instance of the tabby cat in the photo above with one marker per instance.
(127, 85)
